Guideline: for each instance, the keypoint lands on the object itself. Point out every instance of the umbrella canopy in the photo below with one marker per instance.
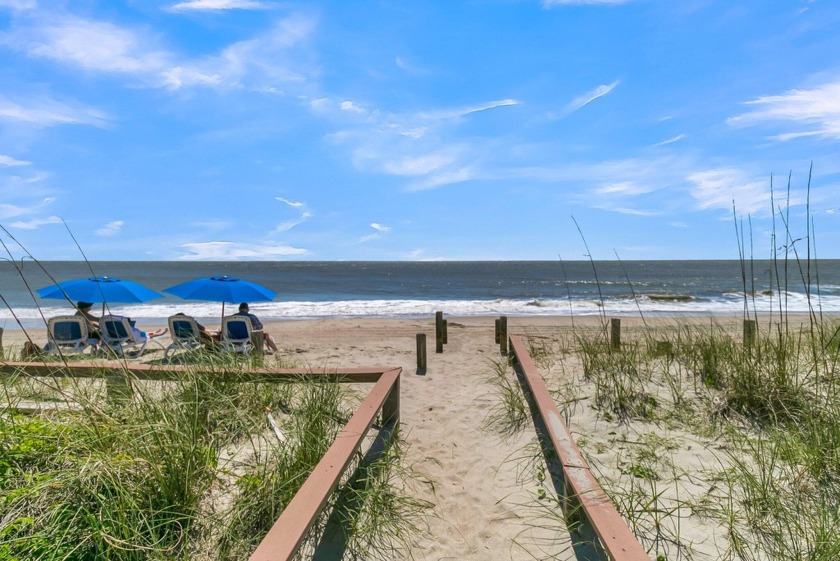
(99, 289)
(221, 289)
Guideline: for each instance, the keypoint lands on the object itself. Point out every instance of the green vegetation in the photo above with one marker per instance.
(188, 470)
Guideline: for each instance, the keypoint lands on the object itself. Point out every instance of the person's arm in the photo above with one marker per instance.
(257, 324)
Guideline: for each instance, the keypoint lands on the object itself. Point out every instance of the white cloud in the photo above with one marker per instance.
(817, 108)
(99, 46)
(232, 251)
(11, 211)
(352, 107)
(9, 162)
(625, 189)
(35, 223)
(294, 204)
(380, 227)
(205, 5)
(719, 188)
(18, 4)
(419, 165)
(289, 224)
(552, 3)
(590, 96)
(110, 229)
(671, 140)
(89, 44)
(367, 238)
(443, 114)
(47, 113)
(445, 178)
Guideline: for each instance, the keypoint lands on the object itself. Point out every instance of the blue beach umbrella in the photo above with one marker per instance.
(221, 289)
(99, 289)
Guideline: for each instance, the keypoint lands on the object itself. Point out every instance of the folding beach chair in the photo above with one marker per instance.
(185, 334)
(68, 334)
(236, 334)
(118, 336)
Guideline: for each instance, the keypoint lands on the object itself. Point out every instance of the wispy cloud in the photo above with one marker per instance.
(295, 204)
(35, 223)
(414, 144)
(110, 229)
(553, 3)
(47, 113)
(721, 188)
(671, 140)
(232, 251)
(817, 108)
(380, 229)
(289, 224)
(89, 44)
(98, 46)
(590, 96)
(210, 5)
(12, 211)
(9, 162)
(18, 4)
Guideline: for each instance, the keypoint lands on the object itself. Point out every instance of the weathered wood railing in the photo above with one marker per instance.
(615, 540)
(285, 537)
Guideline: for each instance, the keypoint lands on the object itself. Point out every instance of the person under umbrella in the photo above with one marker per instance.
(257, 324)
(83, 310)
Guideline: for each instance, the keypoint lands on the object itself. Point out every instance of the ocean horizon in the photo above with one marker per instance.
(339, 289)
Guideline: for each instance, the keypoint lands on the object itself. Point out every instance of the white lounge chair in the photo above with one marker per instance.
(236, 334)
(118, 336)
(185, 334)
(68, 334)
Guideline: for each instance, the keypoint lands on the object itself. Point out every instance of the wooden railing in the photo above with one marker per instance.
(615, 540)
(285, 537)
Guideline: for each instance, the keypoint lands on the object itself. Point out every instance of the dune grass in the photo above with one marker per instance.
(188, 469)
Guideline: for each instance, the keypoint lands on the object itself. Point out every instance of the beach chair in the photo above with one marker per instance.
(68, 334)
(185, 334)
(236, 334)
(118, 337)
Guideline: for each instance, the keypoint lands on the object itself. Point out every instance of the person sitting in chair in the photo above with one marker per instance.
(83, 310)
(142, 335)
(257, 324)
(207, 338)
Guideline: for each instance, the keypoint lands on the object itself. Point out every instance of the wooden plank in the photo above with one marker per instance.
(617, 540)
(164, 372)
(286, 535)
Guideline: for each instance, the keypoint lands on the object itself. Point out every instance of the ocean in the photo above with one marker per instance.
(308, 290)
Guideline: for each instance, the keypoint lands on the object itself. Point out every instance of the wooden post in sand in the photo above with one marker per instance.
(421, 353)
(503, 336)
(2, 356)
(615, 334)
(749, 332)
(438, 332)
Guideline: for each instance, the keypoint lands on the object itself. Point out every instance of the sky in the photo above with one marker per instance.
(403, 130)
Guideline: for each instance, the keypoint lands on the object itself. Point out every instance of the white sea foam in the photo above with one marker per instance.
(210, 312)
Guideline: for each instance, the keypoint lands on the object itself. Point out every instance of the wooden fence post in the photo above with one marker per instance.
(421, 353)
(749, 332)
(615, 333)
(503, 335)
(438, 332)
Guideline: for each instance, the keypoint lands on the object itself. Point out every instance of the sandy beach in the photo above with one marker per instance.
(485, 487)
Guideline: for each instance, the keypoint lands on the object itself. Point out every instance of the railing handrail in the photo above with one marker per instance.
(617, 540)
(287, 534)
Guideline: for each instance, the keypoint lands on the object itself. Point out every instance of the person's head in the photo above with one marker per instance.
(243, 307)
(84, 306)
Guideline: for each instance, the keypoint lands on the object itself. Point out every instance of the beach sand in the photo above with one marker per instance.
(484, 486)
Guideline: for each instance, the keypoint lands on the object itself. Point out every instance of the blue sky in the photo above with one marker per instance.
(325, 130)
